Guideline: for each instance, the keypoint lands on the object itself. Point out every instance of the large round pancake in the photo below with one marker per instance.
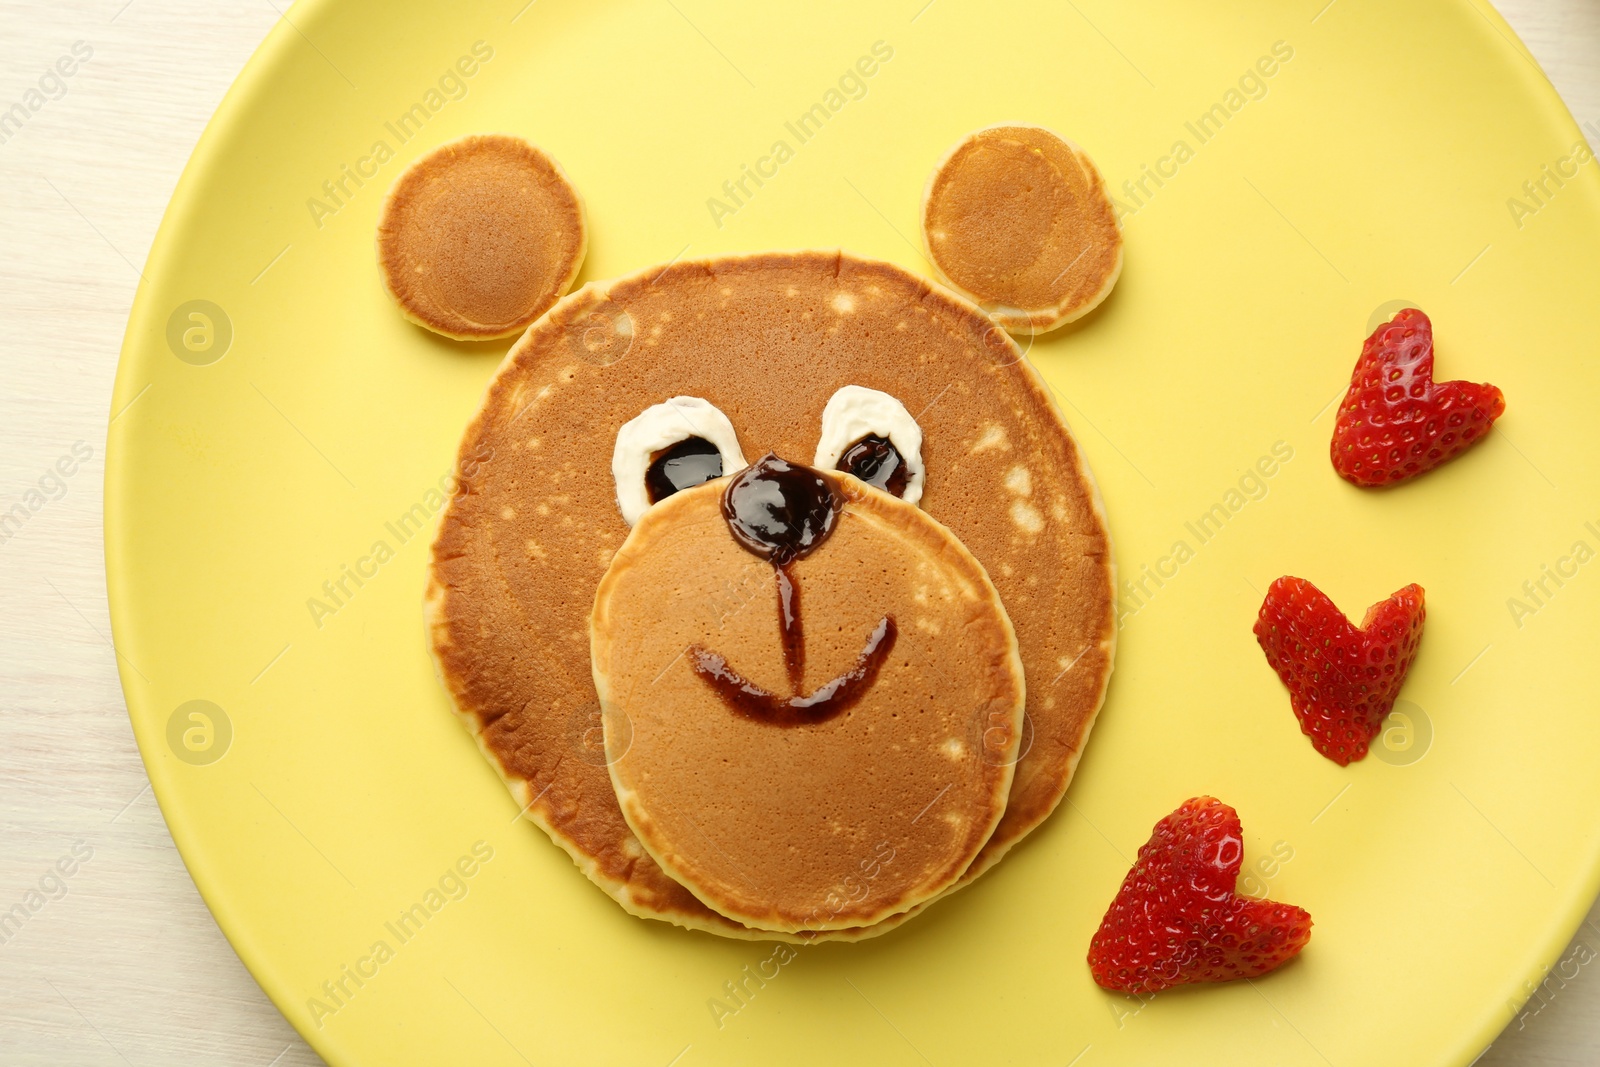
(479, 237)
(767, 339)
(1017, 218)
(817, 824)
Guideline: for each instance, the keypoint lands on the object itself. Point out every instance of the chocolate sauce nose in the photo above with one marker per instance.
(780, 511)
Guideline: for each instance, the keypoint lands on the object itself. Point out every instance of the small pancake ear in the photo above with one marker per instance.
(870, 434)
(1016, 218)
(644, 471)
(481, 236)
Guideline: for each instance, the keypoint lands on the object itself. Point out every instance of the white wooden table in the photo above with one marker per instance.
(121, 962)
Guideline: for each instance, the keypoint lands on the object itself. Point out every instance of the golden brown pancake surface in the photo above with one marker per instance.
(852, 811)
(1018, 219)
(480, 237)
(767, 339)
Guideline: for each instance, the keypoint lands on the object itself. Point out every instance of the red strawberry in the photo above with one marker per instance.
(1177, 918)
(1396, 422)
(1342, 679)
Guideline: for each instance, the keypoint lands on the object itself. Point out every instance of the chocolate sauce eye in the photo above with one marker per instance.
(684, 465)
(877, 462)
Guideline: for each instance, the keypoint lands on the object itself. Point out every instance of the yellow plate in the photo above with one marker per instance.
(265, 441)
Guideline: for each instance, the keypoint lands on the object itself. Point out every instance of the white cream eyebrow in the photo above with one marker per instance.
(855, 412)
(662, 426)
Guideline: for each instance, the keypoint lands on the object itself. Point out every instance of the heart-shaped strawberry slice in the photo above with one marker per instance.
(1342, 679)
(1177, 919)
(1395, 421)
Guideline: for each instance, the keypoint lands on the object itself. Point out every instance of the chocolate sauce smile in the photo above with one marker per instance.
(754, 702)
(782, 512)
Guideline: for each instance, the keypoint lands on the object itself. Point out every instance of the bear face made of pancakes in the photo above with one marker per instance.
(766, 342)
